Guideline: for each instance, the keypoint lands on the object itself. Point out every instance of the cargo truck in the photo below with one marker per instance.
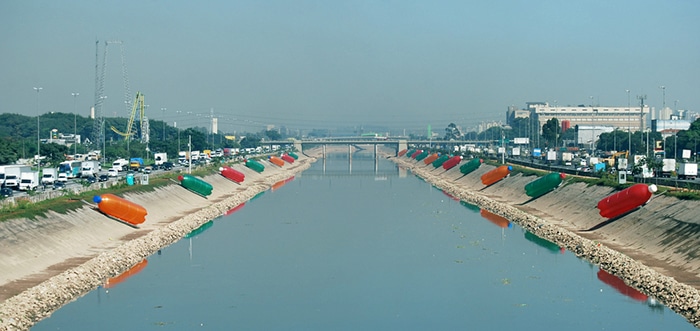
(687, 170)
(13, 174)
(49, 176)
(120, 165)
(160, 158)
(29, 181)
(135, 163)
(669, 166)
(90, 168)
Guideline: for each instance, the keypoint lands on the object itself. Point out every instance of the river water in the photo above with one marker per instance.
(362, 245)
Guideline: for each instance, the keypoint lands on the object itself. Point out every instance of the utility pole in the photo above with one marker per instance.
(163, 110)
(641, 119)
(75, 121)
(38, 135)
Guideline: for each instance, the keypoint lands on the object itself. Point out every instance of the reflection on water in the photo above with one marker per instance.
(114, 281)
(348, 252)
(544, 243)
(495, 219)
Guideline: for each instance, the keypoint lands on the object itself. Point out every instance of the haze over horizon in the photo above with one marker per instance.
(320, 64)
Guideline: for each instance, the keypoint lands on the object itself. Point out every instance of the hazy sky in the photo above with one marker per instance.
(317, 64)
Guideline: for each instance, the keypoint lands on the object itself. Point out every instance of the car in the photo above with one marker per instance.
(62, 177)
(6, 192)
(103, 178)
(59, 185)
(167, 166)
(112, 173)
(91, 180)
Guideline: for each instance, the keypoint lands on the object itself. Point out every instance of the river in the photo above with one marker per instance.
(362, 245)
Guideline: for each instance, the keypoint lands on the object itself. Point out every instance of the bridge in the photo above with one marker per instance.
(398, 143)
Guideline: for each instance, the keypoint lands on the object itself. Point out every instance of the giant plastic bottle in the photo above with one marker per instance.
(431, 158)
(232, 174)
(402, 152)
(495, 175)
(410, 152)
(195, 184)
(276, 161)
(416, 153)
(120, 208)
(470, 166)
(422, 155)
(626, 200)
(257, 166)
(452, 162)
(544, 184)
(439, 161)
(294, 156)
(287, 158)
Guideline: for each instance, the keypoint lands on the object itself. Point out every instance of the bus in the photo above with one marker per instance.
(70, 168)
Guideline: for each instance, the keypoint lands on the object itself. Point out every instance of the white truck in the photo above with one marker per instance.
(13, 173)
(687, 170)
(90, 169)
(29, 181)
(160, 158)
(669, 166)
(121, 165)
(49, 176)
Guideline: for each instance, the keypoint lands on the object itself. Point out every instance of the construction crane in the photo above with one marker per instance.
(139, 106)
(98, 134)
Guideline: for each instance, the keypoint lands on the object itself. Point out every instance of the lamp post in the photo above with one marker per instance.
(38, 135)
(75, 121)
(629, 126)
(163, 110)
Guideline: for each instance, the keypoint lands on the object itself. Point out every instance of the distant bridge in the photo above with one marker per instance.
(399, 144)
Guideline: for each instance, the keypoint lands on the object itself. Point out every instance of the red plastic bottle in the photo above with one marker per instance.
(626, 200)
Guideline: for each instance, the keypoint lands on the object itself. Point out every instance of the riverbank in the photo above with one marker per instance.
(653, 249)
(50, 261)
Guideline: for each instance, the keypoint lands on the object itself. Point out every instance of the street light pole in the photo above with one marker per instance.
(38, 134)
(629, 126)
(163, 110)
(75, 121)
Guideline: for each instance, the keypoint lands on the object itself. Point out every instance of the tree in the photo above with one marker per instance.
(551, 132)
(452, 132)
(273, 135)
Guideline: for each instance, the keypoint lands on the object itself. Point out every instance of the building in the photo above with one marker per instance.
(623, 118)
(668, 128)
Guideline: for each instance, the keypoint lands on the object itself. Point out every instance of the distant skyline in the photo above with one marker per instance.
(321, 64)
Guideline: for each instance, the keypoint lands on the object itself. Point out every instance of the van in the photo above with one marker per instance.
(62, 177)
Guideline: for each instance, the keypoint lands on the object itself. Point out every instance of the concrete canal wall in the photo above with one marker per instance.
(50, 261)
(654, 249)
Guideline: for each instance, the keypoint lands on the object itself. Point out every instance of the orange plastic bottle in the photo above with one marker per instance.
(496, 175)
(120, 208)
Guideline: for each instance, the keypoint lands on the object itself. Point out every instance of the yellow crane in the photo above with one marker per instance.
(612, 160)
(141, 107)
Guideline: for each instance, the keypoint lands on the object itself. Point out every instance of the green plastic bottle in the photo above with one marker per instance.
(294, 156)
(195, 184)
(544, 184)
(255, 165)
(422, 155)
(470, 166)
(439, 161)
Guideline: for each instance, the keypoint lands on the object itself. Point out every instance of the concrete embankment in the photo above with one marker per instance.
(50, 261)
(653, 249)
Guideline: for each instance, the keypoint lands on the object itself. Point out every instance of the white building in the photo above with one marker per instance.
(624, 118)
